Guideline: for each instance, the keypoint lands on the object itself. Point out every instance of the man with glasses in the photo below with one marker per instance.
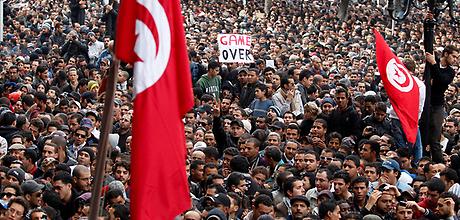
(78, 141)
(82, 178)
(17, 209)
(33, 193)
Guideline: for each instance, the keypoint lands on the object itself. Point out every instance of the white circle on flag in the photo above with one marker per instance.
(399, 76)
(152, 64)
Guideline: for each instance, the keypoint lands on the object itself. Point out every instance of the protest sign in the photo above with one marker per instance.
(235, 48)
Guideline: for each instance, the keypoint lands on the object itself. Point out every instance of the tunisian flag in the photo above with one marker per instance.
(401, 87)
(150, 35)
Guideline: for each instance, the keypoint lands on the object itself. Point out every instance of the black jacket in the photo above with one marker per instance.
(345, 122)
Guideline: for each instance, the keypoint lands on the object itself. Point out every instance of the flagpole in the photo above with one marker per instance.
(104, 139)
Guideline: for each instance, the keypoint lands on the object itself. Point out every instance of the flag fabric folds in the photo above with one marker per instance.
(401, 87)
(150, 35)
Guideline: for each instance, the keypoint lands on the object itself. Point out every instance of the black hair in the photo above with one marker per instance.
(211, 152)
(436, 184)
(450, 175)
(273, 152)
(354, 158)
(360, 179)
(234, 180)
(233, 151)
(326, 207)
(62, 176)
(341, 174)
(194, 165)
(263, 199)
(288, 184)
(239, 164)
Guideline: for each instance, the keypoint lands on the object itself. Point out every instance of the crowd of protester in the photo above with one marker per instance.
(304, 132)
(307, 131)
(54, 56)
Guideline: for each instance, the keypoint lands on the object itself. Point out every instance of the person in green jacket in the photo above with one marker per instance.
(211, 82)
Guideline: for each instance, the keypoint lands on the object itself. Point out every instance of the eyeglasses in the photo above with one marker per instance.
(80, 135)
(7, 194)
(326, 158)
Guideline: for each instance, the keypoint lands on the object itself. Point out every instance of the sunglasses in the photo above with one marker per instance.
(80, 135)
(7, 194)
(326, 158)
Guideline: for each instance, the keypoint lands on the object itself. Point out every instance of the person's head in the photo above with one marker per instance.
(405, 158)
(251, 148)
(351, 165)
(390, 171)
(121, 171)
(228, 155)
(292, 132)
(421, 165)
(38, 214)
(360, 187)
(319, 128)
(435, 188)
(290, 148)
(450, 55)
(341, 98)
(263, 205)
(429, 170)
(15, 176)
(50, 150)
(449, 177)
(447, 205)
(33, 192)
(403, 212)
(299, 207)
(17, 209)
(369, 150)
(341, 183)
(62, 184)
(236, 183)
(385, 202)
(86, 156)
(293, 187)
(312, 160)
(372, 171)
(323, 179)
(260, 174)
(115, 196)
(213, 68)
(81, 176)
(10, 191)
(329, 210)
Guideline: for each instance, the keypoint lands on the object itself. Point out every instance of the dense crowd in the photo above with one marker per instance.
(307, 131)
(54, 57)
(304, 132)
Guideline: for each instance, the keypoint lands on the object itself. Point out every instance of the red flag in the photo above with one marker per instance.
(150, 35)
(401, 87)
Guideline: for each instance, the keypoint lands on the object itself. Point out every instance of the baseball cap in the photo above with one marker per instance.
(17, 147)
(453, 111)
(300, 198)
(222, 199)
(326, 193)
(31, 186)
(391, 165)
(18, 173)
(277, 125)
(86, 122)
(237, 122)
